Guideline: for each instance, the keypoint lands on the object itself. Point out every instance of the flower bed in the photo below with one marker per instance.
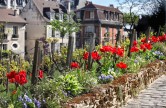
(110, 69)
(117, 93)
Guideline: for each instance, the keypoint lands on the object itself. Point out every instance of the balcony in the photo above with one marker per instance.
(15, 36)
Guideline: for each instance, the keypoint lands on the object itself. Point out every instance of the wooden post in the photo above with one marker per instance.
(35, 63)
(91, 48)
(131, 41)
(148, 34)
(7, 83)
(117, 37)
(112, 36)
(39, 56)
(70, 50)
(159, 31)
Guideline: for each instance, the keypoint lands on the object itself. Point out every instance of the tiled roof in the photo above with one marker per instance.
(95, 6)
(7, 15)
(40, 4)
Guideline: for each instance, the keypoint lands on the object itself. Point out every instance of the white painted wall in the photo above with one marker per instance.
(20, 40)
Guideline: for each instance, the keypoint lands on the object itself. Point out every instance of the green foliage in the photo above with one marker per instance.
(71, 84)
(52, 91)
(68, 25)
(130, 18)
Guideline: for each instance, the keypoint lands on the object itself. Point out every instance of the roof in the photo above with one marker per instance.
(96, 6)
(7, 15)
(40, 4)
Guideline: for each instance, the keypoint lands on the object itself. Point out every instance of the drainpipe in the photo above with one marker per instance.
(69, 6)
(8, 4)
(14, 4)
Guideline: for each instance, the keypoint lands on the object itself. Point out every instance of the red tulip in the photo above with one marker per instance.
(134, 43)
(74, 65)
(95, 55)
(121, 65)
(85, 56)
(134, 49)
(40, 74)
(154, 39)
(106, 49)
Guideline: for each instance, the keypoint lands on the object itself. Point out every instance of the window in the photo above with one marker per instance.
(15, 32)
(89, 29)
(107, 29)
(78, 15)
(112, 15)
(61, 16)
(106, 16)
(4, 46)
(53, 33)
(2, 29)
(4, 36)
(91, 14)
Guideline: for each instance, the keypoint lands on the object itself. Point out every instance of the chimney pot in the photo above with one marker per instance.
(15, 12)
(111, 5)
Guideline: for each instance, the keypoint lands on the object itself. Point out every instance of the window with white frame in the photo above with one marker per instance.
(4, 46)
(15, 30)
(89, 29)
(107, 29)
(78, 15)
(61, 16)
(106, 16)
(91, 14)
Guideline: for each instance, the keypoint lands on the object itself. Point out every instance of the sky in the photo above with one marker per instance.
(105, 2)
(115, 3)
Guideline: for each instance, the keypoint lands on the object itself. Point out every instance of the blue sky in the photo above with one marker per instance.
(105, 2)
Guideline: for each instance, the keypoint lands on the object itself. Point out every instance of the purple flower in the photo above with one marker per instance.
(27, 99)
(20, 98)
(37, 103)
(25, 105)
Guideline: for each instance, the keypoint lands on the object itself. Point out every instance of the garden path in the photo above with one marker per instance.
(152, 97)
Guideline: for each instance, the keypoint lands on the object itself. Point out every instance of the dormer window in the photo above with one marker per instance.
(78, 15)
(52, 16)
(61, 16)
(106, 16)
(91, 14)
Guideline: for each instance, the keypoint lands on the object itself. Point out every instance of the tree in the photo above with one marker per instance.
(130, 19)
(1, 40)
(131, 9)
(68, 25)
(156, 19)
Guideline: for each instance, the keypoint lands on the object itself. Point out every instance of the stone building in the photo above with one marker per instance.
(38, 14)
(13, 31)
(102, 20)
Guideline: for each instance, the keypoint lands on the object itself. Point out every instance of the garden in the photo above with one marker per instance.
(56, 83)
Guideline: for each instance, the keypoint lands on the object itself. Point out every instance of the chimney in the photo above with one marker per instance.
(87, 3)
(8, 4)
(15, 12)
(14, 4)
(69, 6)
(111, 6)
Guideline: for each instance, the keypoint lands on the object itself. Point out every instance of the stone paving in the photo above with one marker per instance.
(152, 97)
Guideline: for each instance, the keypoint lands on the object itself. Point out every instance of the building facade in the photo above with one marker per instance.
(13, 31)
(101, 20)
(38, 14)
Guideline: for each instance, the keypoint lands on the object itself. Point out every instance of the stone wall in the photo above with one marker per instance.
(118, 92)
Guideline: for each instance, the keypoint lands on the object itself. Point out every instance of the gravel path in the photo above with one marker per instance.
(152, 97)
